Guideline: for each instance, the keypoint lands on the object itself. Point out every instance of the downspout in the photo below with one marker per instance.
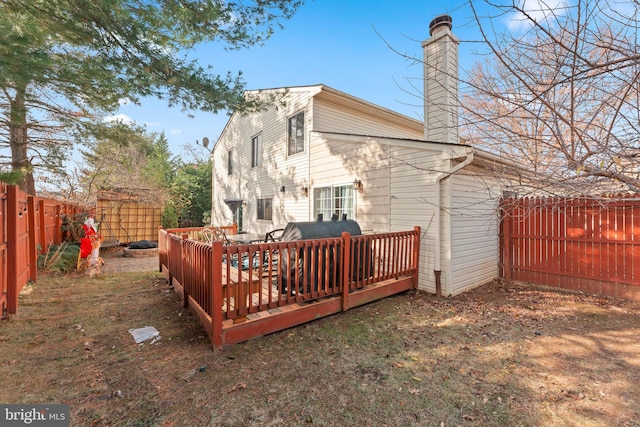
(438, 218)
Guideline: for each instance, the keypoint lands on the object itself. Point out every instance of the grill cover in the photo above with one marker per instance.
(319, 229)
(316, 278)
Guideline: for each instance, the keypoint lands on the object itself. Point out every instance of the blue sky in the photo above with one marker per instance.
(348, 45)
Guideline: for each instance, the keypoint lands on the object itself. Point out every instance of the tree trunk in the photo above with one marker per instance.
(19, 142)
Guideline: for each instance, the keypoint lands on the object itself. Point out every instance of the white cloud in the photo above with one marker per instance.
(538, 10)
(122, 118)
(152, 124)
(175, 132)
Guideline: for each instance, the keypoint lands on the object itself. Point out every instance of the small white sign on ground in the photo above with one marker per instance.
(143, 334)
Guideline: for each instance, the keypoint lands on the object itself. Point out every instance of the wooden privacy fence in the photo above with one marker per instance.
(124, 219)
(28, 225)
(243, 291)
(589, 245)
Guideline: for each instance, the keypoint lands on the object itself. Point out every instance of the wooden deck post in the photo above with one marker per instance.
(347, 265)
(216, 294)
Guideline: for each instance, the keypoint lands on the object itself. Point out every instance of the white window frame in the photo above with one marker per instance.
(333, 202)
(256, 151)
(295, 138)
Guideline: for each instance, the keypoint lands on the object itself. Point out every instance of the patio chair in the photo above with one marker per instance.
(274, 235)
(270, 236)
(215, 234)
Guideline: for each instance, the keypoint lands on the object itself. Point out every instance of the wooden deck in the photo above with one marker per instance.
(259, 287)
(296, 282)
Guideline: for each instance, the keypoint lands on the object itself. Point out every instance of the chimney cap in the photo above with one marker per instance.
(439, 21)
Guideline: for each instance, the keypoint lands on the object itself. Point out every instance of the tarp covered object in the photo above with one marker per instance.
(319, 229)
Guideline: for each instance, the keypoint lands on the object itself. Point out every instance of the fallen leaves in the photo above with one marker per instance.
(239, 386)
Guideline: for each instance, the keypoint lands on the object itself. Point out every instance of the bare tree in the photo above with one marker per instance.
(560, 93)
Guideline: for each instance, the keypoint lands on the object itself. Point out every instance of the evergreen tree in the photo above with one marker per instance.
(64, 64)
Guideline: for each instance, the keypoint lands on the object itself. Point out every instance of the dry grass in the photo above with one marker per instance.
(503, 355)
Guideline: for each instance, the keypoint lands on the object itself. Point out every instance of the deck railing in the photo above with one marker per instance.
(227, 284)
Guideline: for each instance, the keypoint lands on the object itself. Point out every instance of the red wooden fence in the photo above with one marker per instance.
(4, 283)
(28, 225)
(589, 245)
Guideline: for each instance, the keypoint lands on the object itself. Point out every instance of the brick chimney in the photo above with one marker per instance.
(441, 82)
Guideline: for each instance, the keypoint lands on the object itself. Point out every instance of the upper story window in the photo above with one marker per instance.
(256, 151)
(265, 209)
(295, 134)
(230, 162)
(336, 200)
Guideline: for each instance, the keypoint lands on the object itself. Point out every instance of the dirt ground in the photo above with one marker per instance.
(501, 355)
(115, 262)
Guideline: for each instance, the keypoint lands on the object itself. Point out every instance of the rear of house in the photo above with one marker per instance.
(321, 151)
(301, 157)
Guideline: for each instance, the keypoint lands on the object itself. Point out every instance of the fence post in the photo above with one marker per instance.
(347, 264)
(416, 256)
(507, 223)
(33, 251)
(216, 294)
(42, 228)
(57, 232)
(12, 249)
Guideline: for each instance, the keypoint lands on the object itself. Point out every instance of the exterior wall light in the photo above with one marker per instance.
(357, 184)
(305, 191)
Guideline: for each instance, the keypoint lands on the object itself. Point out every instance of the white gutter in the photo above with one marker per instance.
(438, 217)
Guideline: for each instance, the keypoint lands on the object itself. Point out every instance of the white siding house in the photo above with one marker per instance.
(310, 152)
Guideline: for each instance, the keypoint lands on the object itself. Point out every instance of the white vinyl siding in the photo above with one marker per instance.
(250, 183)
(474, 255)
(332, 118)
(412, 187)
(337, 160)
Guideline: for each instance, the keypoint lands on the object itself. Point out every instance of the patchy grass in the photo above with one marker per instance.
(502, 355)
